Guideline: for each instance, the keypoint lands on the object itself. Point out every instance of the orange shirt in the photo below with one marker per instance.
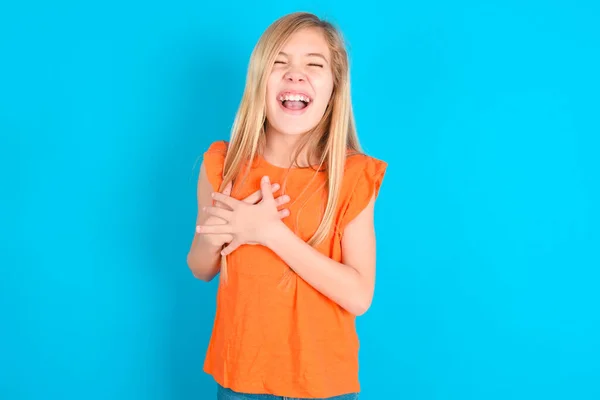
(287, 340)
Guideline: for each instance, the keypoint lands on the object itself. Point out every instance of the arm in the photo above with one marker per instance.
(204, 257)
(350, 283)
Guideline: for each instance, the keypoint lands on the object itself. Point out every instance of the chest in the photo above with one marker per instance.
(307, 191)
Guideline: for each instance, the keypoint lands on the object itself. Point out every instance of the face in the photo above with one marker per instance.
(300, 84)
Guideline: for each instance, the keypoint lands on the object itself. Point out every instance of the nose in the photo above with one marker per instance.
(293, 75)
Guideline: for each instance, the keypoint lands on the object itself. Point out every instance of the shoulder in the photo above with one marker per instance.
(217, 147)
(213, 162)
(360, 165)
(363, 177)
(215, 154)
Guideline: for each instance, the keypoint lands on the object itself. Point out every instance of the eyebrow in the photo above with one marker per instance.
(308, 55)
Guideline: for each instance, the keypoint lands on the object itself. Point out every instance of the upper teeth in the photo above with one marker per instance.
(294, 97)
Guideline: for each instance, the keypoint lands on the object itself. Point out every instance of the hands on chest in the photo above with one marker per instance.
(249, 221)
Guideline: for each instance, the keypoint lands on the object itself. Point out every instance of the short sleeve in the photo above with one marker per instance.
(364, 178)
(214, 161)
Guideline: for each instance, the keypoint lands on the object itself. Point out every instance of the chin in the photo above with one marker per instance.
(290, 130)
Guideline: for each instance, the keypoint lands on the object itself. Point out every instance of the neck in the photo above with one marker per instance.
(280, 149)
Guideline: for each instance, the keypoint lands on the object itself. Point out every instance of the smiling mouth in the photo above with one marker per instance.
(294, 102)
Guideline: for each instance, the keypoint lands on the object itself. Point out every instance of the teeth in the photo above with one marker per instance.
(294, 97)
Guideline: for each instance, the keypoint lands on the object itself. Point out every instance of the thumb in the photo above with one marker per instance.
(234, 244)
(265, 188)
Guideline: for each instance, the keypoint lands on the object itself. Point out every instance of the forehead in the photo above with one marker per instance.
(305, 41)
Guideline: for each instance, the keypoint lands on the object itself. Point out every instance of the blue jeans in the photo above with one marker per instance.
(228, 394)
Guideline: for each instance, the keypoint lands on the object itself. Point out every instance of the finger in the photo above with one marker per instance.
(281, 200)
(228, 201)
(210, 229)
(284, 213)
(221, 205)
(265, 184)
(256, 196)
(230, 247)
(218, 212)
(226, 191)
(228, 188)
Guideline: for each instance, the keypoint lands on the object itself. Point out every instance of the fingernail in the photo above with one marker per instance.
(198, 229)
(266, 179)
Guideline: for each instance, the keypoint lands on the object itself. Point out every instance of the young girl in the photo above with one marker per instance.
(286, 216)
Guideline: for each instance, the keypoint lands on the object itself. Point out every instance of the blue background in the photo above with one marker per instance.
(488, 221)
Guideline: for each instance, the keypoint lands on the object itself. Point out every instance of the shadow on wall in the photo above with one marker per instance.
(208, 85)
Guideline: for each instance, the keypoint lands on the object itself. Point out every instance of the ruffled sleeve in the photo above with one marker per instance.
(214, 160)
(364, 177)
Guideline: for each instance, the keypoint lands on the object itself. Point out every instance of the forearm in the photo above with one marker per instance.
(204, 257)
(341, 283)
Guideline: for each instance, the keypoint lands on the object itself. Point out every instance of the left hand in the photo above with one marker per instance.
(248, 223)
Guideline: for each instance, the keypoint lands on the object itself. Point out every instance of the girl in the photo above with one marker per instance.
(286, 216)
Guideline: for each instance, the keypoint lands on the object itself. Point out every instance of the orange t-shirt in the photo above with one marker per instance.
(287, 340)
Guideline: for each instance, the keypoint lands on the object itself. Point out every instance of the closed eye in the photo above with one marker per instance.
(279, 62)
(316, 65)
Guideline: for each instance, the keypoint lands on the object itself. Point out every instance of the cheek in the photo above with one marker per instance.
(325, 89)
(272, 82)
(270, 99)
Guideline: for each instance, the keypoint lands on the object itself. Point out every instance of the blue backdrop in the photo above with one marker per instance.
(488, 221)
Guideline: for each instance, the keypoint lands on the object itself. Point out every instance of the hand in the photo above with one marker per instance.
(247, 223)
(219, 240)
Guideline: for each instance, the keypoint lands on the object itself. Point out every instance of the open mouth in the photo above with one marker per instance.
(294, 101)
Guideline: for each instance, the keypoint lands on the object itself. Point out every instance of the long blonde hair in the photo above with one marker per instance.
(332, 138)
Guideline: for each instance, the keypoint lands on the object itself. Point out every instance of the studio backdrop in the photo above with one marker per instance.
(487, 221)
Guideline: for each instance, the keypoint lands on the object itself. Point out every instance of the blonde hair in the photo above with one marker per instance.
(332, 138)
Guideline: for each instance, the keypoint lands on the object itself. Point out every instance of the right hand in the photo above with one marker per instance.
(219, 240)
